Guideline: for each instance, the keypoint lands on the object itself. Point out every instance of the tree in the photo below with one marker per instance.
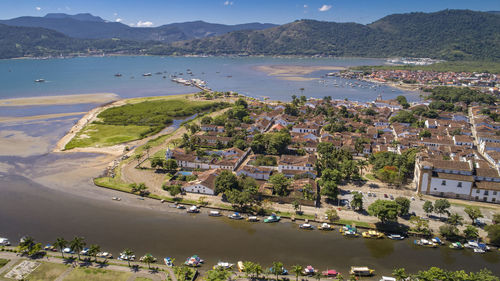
(340, 277)
(171, 165)
(428, 207)
(138, 158)
(141, 188)
(148, 259)
(277, 269)
(241, 199)
(280, 184)
(94, 250)
(470, 232)
(425, 134)
(297, 270)
(225, 181)
(441, 206)
(420, 225)
(455, 219)
(76, 245)
(473, 212)
(317, 275)
(158, 163)
(61, 243)
(385, 210)
(404, 205)
(128, 253)
(357, 201)
(332, 215)
(296, 205)
(241, 102)
(218, 274)
(400, 274)
(449, 231)
(494, 233)
(496, 218)
(174, 189)
(147, 147)
(29, 247)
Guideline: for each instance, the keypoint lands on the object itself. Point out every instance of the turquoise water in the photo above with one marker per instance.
(96, 74)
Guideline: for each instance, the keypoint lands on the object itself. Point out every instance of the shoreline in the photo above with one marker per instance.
(59, 100)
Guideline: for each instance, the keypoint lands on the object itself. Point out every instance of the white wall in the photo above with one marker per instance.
(198, 188)
(451, 186)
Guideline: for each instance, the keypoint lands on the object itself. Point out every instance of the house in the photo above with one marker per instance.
(258, 173)
(291, 165)
(205, 184)
(463, 141)
(306, 128)
(212, 128)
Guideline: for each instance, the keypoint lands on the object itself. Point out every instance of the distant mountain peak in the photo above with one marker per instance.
(80, 17)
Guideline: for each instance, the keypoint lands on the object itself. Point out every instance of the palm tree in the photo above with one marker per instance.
(148, 259)
(61, 243)
(340, 277)
(297, 269)
(400, 274)
(362, 165)
(128, 253)
(277, 269)
(26, 245)
(77, 245)
(138, 158)
(147, 147)
(257, 269)
(94, 250)
(317, 275)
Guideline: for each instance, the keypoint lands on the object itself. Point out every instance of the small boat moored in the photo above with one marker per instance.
(372, 234)
(214, 214)
(456, 245)
(361, 271)
(425, 243)
(309, 270)
(124, 257)
(223, 265)
(272, 218)
(385, 278)
(235, 216)
(193, 210)
(105, 255)
(306, 226)
(395, 237)
(193, 261)
(4, 242)
(40, 80)
(253, 219)
(168, 261)
(241, 267)
(330, 273)
(147, 74)
(325, 226)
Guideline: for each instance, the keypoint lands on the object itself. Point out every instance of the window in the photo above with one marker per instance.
(486, 192)
(493, 200)
(477, 197)
(443, 182)
(477, 190)
(459, 184)
(494, 193)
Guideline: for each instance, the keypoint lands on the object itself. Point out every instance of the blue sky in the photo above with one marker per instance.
(158, 12)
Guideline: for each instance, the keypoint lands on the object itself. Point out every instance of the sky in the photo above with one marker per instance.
(157, 12)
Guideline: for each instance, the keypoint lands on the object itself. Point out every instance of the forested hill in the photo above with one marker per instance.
(448, 34)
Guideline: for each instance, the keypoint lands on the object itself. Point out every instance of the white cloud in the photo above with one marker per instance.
(38, 8)
(228, 3)
(144, 24)
(325, 8)
(305, 6)
(118, 20)
(115, 14)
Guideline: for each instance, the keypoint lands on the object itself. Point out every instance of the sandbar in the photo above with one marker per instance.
(292, 72)
(60, 100)
(6, 119)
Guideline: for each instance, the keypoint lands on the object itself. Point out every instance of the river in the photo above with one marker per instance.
(30, 208)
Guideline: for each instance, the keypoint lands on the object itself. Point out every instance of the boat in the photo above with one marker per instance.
(4, 242)
(223, 265)
(437, 241)
(350, 233)
(425, 243)
(118, 75)
(306, 226)
(325, 226)
(330, 273)
(235, 216)
(282, 272)
(456, 245)
(193, 210)
(395, 237)
(68, 251)
(180, 207)
(372, 234)
(193, 261)
(309, 270)
(361, 271)
(168, 261)
(272, 218)
(124, 257)
(240, 265)
(253, 219)
(214, 214)
(385, 278)
(479, 251)
(476, 245)
(40, 80)
(147, 74)
(105, 255)
(116, 198)
(85, 251)
(49, 247)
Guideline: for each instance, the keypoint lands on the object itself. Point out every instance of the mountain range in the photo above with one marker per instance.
(87, 26)
(447, 34)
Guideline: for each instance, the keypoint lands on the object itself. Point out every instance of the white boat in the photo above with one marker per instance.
(395, 237)
(385, 278)
(479, 251)
(235, 216)
(214, 214)
(40, 80)
(306, 226)
(4, 242)
(253, 219)
(104, 255)
(223, 265)
(124, 257)
(147, 74)
(325, 226)
(193, 210)
(68, 251)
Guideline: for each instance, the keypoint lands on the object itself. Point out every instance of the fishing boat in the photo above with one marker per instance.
(456, 245)
(118, 75)
(241, 267)
(4, 242)
(325, 226)
(223, 265)
(437, 241)
(193, 210)
(395, 237)
(68, 250)
(372, 234)
(214, 214)
(85, 251)
(309, 270)
(168, 261)
(272, 218)
(193, 261)
(330, 273)
(306, 226)
(253, 219)
(40, 80)
(105, 255)
(124, 257)
(361, 271)
(48, 247)
(350, 233)
(425, 243)
(147, 74)
(235, 216)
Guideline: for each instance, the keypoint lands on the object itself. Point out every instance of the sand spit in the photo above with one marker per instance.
(294, 72)
(5, 119)
(60, 100)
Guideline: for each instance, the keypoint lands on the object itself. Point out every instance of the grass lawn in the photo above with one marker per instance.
(370, 177)
(3, 262)
(357, 223)
(99, 135)
(47, 271)
(113, 183)
(81, 274)
(142, 279)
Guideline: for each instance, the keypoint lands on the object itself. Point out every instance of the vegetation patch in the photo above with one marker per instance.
(80, 274)
(454, 66)
(3, 262)
(99, 135)
(47, 271)
(112, 183)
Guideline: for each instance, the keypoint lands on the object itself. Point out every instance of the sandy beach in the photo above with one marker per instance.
(60, 100)
(38, 117)
(294, 72)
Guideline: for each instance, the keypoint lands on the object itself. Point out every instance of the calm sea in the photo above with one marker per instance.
(96, 74)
